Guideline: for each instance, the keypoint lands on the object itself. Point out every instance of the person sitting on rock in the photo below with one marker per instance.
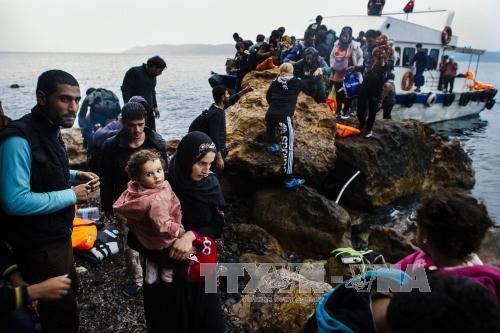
(451, 225)
(240, 64)
(311, 70)
(269, 53)
(297, 52)
(282, 98)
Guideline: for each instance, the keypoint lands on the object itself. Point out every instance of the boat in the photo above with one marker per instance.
(430, 105)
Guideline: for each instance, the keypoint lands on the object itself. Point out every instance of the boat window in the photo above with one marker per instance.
(397, 56)
(408, 54)
(433, 58)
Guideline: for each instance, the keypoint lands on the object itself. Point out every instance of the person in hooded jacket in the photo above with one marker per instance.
(183, 305)
(311, 70)
(282, 98)
(346, 55)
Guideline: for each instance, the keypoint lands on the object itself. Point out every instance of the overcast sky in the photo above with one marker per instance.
(116, 25)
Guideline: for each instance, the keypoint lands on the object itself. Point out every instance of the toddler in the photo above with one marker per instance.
(151, 209)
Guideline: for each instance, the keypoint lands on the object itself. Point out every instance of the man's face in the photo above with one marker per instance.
(155, 71)
(310, 40)
(370, 41)
(134, 128)
(62, 105)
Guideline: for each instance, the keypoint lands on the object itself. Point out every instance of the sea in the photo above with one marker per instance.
(183, 92)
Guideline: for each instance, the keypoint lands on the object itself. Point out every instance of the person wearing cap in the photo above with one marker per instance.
(450, 71)
(116, 152)
(282, 98)
(141, 81)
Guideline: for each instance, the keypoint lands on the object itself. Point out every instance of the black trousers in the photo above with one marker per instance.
(41, 264)
(448, 80)
(368, 100)
(150, 120)
(285, 129)
(343, 102)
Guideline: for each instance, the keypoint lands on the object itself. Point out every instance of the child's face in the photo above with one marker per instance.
(151, 174)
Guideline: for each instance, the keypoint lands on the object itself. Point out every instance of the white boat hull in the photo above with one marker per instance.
(436, 112)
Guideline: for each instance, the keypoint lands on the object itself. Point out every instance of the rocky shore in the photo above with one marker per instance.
(268, 224)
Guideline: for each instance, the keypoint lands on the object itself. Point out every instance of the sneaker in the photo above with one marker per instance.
(344, 115)
(294, 182)
(368, 135)
(132, 290)
(274, 148)
(417, 90)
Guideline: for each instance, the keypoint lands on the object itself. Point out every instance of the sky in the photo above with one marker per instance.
(109, 26)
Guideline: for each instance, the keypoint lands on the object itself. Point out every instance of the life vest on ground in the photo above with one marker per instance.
(84, 234)
(344, 131)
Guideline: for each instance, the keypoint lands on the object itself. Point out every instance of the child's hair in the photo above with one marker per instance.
(137, 159)
(455, 221)
(455, 304)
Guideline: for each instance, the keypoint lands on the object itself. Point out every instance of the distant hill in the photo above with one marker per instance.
(488, 56)
(184, 49)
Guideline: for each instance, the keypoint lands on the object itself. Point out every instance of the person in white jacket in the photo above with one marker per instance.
(346, 56)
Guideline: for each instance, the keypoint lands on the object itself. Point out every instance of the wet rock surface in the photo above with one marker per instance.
(401, 159)
(302, 220)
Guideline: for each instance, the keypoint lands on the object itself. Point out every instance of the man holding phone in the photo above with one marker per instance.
(36, 197)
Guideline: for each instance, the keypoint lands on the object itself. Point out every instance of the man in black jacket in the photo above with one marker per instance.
(141, 81)
(36, 197)
(116, 151)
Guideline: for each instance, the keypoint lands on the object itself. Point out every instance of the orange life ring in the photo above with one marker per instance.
(345, 131)
(446, 35)
(407, 81)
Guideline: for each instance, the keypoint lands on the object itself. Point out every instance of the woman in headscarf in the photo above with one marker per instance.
(181, 305)
(311, 69)
(346, 55)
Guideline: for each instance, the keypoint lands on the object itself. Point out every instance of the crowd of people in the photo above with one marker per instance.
(167, 204)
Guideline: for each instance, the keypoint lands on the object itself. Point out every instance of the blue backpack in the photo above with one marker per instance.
(351, 84)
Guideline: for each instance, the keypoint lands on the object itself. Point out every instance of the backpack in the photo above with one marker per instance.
(200, 123)
(105, 105)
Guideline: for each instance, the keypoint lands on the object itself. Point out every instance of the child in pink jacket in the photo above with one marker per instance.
(150, 207)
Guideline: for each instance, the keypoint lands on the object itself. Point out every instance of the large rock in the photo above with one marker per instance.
(390, 243)
(254, 233)
(288, 301)
(302, 220)
(401, 159)
(314, 127)
(77, 154)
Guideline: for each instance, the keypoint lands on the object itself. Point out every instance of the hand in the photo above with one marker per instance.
(219, 162)
(156, 112)
(248, 89)
(82, 192)
(50, 289)
(318, 72)
(89, 178)
(183, 247)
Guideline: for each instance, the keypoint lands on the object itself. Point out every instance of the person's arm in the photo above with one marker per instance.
(325, 69)
(213, 130)
(106, 172)
(128, 83)
(16, 196)
(166, 215)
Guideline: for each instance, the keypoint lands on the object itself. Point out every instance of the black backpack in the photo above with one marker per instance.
(105, 104)
(200, 123)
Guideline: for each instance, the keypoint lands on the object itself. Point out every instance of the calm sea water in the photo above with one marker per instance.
(183, 91)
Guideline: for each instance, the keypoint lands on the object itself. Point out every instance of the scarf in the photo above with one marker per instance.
(192, 148)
